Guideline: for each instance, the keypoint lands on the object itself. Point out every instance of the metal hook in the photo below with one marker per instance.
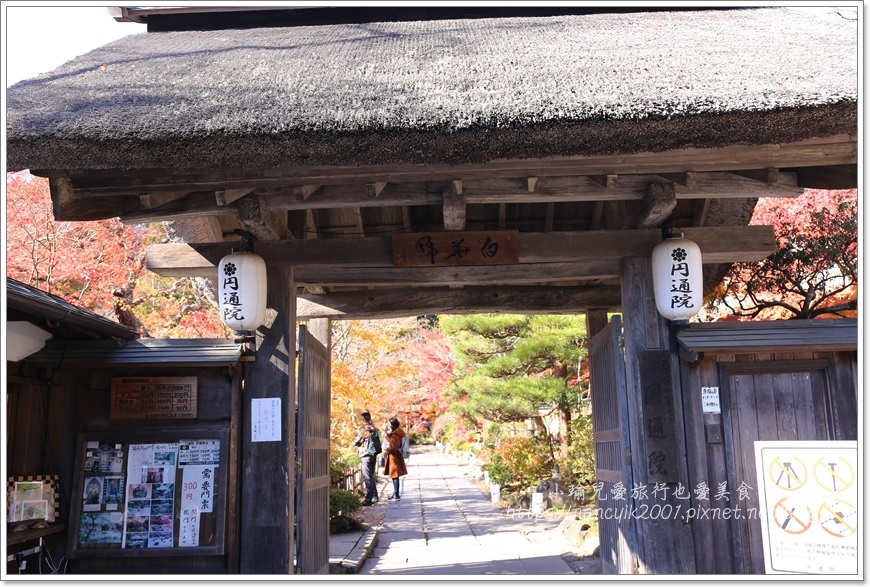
(249, 239)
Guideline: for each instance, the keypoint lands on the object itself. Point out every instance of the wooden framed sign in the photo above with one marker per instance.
(456, 248)
(147, 398)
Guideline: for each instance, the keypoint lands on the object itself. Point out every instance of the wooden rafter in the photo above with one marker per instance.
(656, 207)
(224, 197)
(395, 303)
(491, 191)
(454, 206)
(724, 244)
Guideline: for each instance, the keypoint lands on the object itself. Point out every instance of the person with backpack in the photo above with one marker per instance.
(369, 447)
(394, 463)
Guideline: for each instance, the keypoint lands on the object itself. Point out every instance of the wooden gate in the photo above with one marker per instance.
(312, 465)
(616, 528)
(788, 400)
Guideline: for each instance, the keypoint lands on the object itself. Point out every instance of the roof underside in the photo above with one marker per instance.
(574, 126)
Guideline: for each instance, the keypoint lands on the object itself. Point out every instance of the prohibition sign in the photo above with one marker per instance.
(794, 519)
(788, 474)
(838, 518)
(833, 475)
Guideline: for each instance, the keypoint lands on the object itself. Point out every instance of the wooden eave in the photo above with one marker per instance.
(142, 353)
(770, 336)
(49, 312)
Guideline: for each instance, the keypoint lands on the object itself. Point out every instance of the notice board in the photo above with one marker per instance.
(809, 501)
(159, 493)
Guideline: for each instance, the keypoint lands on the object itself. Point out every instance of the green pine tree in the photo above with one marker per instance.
(511, 366)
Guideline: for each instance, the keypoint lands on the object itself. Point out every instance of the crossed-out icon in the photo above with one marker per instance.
(834, 473)
(790, 474)
(792, 516)
(838, 518)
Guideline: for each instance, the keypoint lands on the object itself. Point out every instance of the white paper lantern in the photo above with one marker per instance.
(242, 290)
(677, 278)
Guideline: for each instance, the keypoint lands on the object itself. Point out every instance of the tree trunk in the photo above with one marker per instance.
(564, 431)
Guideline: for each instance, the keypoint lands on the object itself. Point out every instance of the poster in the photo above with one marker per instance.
(198, 460)
(150, 495)
(809, 503)
(139, 495)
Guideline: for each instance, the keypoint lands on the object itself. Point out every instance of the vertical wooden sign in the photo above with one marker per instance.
(659, 424)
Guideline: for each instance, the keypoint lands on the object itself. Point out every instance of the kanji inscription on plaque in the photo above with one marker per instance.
(456, 248)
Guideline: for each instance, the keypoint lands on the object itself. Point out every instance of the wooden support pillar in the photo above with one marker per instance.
(658, 445)
(267, 466)
(596, 321)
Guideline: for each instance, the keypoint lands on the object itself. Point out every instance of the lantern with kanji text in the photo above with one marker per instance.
(242, 290)
(677, 277)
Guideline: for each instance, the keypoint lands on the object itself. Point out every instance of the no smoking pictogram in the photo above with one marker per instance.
(791, 516)
(789, 473)
(834, 473)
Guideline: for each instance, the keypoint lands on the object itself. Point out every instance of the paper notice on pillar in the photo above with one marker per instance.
(197, 488)
(188, 527)
(266, 419)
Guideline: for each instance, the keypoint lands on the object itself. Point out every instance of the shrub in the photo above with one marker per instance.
(339, 464)
(498, 471)
(528, 459)
(420, 437)
(578, 469)
(453, 433)
(342, 504)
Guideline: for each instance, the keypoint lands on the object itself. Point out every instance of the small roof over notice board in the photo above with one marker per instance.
(194, 352)
(771, 336)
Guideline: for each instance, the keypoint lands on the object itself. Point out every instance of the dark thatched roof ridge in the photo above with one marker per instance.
(452, 91)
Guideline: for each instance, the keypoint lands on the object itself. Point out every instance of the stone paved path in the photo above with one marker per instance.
(444, 525)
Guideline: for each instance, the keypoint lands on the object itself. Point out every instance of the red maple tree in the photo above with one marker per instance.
(100, 266)
(83, 262)
(813, 272)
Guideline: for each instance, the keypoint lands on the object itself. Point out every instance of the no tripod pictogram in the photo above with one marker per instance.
(789, 473)
(834, 473)
(791, 516)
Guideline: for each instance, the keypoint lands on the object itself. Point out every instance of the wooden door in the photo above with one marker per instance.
(616, 531)
(767, 401)
(312, 474)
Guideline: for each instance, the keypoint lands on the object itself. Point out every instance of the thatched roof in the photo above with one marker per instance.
(449, 91)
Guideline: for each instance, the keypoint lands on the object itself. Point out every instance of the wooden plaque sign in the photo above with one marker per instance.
(659, 423)
(456, 248)
(147, 398)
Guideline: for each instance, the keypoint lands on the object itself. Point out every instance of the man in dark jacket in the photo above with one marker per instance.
(368, 443)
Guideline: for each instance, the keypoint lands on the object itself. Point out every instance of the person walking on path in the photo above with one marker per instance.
(369, 444)
(394, 462)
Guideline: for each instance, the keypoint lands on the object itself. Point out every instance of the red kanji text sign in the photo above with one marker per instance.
(456, 248)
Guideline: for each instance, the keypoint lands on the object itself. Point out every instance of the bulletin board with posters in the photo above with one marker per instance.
(139, 494)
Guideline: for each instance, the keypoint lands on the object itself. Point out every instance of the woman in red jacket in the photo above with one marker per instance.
(394, 463)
